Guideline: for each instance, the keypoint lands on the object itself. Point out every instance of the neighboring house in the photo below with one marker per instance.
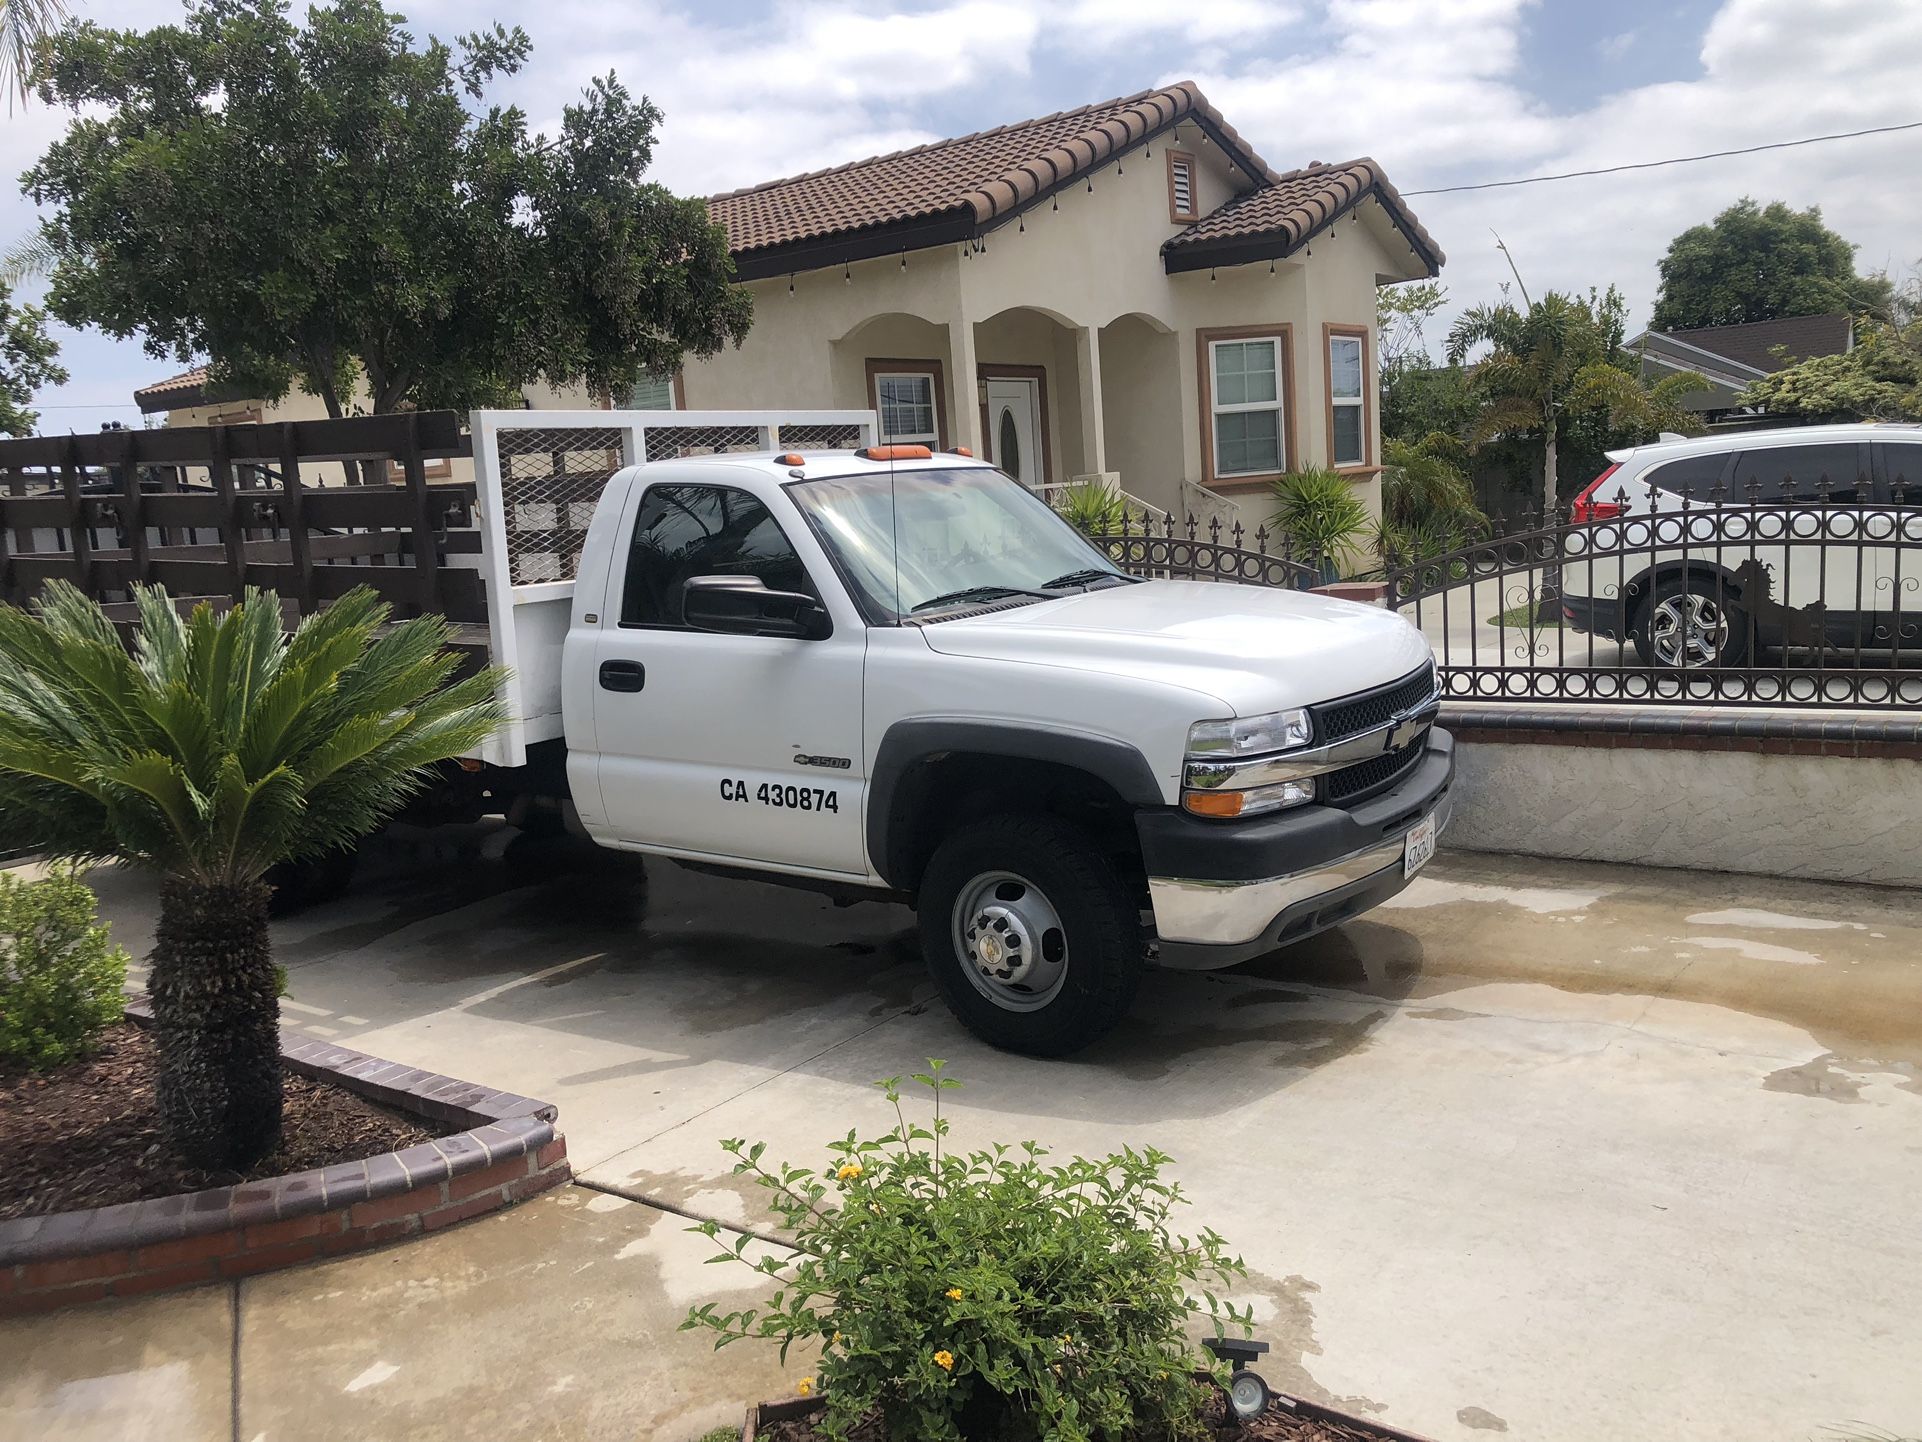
(1126, 290)
(1731, 356)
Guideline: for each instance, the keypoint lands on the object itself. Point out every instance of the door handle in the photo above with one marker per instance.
(623, 676)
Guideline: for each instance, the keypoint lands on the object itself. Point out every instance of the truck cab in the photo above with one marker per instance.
(897, 674)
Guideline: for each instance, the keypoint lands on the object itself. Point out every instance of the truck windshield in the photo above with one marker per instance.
(966, 537)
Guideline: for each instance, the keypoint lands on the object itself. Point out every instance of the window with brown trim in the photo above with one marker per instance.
(1246, 385)
(910, 397)
(1183, 205)
(1345, 368)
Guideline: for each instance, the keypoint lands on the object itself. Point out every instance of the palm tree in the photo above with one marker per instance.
(1427, 504)
(1559, 356)
(25, 28)
(218, 747)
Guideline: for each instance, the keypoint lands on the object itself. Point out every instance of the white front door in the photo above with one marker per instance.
(1014, 429)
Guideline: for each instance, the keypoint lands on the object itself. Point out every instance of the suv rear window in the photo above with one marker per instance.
(1690, 476)
(1902, 470)
(1803, 467)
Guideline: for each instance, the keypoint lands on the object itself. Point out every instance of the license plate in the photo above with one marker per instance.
(1419, 846)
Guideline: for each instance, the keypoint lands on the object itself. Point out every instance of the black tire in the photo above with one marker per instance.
(1728, 633)
(298, 885)
(1103, 953)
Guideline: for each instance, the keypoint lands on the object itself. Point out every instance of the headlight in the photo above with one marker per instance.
(1251, 735)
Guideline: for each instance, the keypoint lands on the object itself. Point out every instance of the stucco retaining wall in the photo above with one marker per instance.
(1816, 796)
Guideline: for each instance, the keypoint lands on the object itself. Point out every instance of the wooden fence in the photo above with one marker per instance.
(207, 511)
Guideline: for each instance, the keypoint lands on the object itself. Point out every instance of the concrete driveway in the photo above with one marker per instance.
(1571, 1153)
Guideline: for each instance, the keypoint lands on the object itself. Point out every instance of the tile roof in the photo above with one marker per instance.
(1294, 206)
(173, 391)
(1801, 337)
(972, 179)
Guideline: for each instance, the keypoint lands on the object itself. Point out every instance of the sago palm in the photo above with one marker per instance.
(217, 747)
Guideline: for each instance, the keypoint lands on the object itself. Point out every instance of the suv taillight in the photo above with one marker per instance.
(1587, 508)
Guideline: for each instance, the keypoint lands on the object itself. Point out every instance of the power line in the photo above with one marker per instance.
(1677, 160)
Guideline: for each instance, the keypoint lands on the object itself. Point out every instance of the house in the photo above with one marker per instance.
(1124, 291)
(1731, 356)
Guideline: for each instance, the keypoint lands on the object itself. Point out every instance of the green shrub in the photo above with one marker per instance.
(990, 1294)
(1323, 517)
(60, 977)
(1093, 507)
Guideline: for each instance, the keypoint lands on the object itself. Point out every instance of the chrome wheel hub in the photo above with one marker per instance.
(1010, 941)
(1688, 630)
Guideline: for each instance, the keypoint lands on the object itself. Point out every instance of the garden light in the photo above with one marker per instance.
(1248, 1394)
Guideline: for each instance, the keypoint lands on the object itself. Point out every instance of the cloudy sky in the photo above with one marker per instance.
(1442, 92)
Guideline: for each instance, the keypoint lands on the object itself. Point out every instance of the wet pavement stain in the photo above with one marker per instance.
(1817, 1078)
(1481, 1418)
(1151, 1051)
(1290, 1335)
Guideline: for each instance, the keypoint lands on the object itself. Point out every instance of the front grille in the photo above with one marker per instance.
(1352, 715)
(1362, 780)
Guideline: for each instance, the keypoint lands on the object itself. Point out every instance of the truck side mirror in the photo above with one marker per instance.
(744, 606)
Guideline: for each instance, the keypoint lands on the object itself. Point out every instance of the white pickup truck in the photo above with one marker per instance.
(886, 673)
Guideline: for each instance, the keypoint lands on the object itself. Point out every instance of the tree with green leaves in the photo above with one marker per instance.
(218, 747)
(1560, 357)
(1761, 262)
(329, 206)
(1879, 378)
(29, 359)
(26, 27)
(1427, 504)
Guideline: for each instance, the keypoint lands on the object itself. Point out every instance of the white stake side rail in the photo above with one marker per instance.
(539, 475)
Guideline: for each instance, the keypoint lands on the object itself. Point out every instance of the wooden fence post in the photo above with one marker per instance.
(294, 511)
(81, 542)
(426, 549)
(222, 472)
(132, 515)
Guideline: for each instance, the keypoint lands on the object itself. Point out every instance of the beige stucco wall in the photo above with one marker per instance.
(1039, 292)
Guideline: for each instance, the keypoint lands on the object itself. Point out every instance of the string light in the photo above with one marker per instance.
(1055, 204)
(1211, 275)
(846, 274)
(904, 260)
(790, 283)
(1021, 224)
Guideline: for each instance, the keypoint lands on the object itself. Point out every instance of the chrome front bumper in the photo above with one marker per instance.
(1226, 891)
(1233, 914)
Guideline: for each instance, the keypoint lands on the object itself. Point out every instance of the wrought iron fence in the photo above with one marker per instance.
(1144, 545)
(1802, 594)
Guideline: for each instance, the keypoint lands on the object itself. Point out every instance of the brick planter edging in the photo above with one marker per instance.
(509, 1152)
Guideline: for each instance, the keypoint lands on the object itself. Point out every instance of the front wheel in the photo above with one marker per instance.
(1032, 938)
(1692, 623)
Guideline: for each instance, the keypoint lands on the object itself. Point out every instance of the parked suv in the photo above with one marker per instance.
(1702, 551)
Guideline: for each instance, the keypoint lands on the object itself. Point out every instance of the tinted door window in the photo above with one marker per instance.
(685, 531)
(1901, 471)
(1804, 468)
(1692, 476)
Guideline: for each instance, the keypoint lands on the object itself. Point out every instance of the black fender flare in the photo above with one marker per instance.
(909, 745)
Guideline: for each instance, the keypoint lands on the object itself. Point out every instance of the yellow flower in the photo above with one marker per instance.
(806, 1387)
(837, 1339)
(848, 1171)
(953, 1294)
(944, 1360)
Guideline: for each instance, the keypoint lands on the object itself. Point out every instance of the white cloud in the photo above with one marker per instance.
(1115, 25)
(1439, 91)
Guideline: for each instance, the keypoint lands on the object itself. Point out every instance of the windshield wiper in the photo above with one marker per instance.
(1087, 578)
(980, 593)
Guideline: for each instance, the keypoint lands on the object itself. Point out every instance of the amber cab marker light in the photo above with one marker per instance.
(792, 458)
(967, 451)
(896, 453)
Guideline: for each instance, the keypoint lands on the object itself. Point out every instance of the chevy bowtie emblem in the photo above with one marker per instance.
(1409, 730)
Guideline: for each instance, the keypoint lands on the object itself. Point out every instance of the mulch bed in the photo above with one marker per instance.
(87, 1134)
(1277, 1424)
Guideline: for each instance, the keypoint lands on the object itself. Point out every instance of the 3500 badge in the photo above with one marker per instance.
(790, 798)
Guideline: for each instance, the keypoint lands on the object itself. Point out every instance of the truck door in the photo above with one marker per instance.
(742, 748)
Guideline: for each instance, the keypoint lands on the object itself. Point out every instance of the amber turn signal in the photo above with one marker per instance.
(1213, 803)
